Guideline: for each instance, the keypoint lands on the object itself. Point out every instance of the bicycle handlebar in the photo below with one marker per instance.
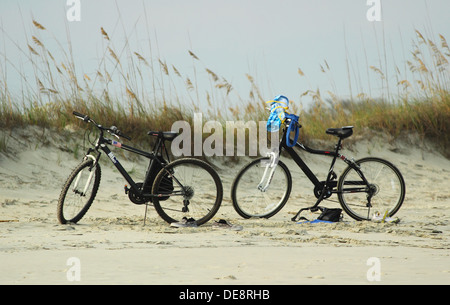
(81, 116)
(288, 122)
(112, 130)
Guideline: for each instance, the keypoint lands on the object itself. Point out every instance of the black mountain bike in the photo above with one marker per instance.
(262, 188)
(186, 187)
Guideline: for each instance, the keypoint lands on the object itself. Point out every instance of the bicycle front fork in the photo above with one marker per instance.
(272, 165)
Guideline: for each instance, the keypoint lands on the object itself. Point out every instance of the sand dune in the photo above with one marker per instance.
(114, 247)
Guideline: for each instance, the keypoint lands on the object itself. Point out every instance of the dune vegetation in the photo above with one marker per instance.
(144, 92)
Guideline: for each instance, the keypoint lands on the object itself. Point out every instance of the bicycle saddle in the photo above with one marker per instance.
(165, 135)
(342, 133)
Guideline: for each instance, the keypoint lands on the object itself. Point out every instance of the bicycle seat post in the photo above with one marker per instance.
(338, 145)
(331, 175)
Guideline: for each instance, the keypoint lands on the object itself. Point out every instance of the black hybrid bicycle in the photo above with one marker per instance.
(186, 187)
(366, 186)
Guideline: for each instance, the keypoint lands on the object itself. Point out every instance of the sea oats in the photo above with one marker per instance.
(105, 35)
(37, 41)
(130, 93)
(176, 71)
(189, 84)
(377, 71)
(141, 58)
(422, 39)
(208, 99)
(193, 55)
(41, 86)
(213, 75)
(422, 66)
(51, 56)
(164, 67)
(32, 50)
(113, 54)
(404, 83)
(38, 25)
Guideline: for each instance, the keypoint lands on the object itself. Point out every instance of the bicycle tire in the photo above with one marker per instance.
(72, 203)
(248, 201)
(193, 180)
(386, 182)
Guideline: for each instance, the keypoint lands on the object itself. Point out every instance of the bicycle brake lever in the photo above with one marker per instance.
(117, 133)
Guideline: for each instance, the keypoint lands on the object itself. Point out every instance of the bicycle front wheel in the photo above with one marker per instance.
(253, 197)
(187, 188)
(385, 190)
(78, 192)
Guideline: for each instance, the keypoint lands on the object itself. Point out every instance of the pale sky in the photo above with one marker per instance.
(267, 39)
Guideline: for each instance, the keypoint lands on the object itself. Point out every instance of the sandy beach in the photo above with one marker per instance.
(111, 245)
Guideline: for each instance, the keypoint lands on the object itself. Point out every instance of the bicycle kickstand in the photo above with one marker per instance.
(298, 214)
(313, 208)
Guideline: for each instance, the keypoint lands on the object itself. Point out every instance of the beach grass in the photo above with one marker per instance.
(138, 93)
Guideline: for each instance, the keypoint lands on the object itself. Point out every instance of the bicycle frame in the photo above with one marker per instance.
(328, 187)
(102, 143)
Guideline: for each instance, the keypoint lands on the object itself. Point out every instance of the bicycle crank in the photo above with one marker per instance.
(328, 190)
(135, 198)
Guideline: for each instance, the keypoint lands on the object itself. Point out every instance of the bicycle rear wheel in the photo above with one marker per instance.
(251, 201)
(187, 188)
(385, 192)
(78, 192)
